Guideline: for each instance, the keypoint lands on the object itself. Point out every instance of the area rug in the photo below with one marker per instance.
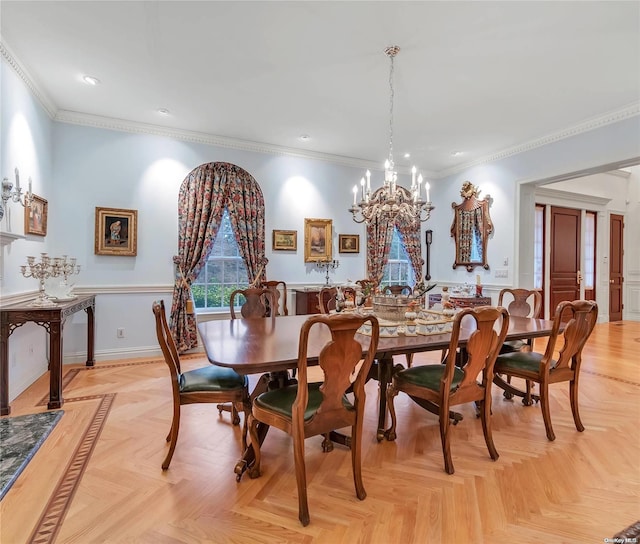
(20, 438)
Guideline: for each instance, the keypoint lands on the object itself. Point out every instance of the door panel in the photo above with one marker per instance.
(565, 256)
(616, 232)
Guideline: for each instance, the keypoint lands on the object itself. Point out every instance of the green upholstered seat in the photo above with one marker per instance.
(520, 360)
(428, 376)
(281, 400)
(512, 345)
(211, 378)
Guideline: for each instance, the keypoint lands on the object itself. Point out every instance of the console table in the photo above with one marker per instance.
(52, 319)
(307, 301)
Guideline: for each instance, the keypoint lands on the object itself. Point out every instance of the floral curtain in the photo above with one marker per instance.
(203, 196)
(379, 235)
(410, 234)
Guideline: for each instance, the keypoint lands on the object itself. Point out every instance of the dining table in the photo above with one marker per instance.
(269, 347)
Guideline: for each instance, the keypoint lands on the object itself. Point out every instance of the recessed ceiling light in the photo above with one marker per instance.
(456, 153)
(305, 137)
(90, 80)
(407, 155)
(164, 111)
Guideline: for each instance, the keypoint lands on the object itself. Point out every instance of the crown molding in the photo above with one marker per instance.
(609, 118)
(122, 125)
(20, 70)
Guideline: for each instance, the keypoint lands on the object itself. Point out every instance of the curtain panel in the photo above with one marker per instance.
(203, 196)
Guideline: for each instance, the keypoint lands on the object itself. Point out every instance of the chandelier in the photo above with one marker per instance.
(391, 201)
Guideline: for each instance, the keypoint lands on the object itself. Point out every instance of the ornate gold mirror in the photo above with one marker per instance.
(471, 228)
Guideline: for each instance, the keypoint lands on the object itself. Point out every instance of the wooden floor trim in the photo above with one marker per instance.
(53, 515)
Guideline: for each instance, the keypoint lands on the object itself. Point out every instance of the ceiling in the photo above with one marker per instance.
(480, 78)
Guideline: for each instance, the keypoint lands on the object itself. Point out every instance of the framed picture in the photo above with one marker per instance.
(285, 240)
(35, 217)
(349, 243)
(317, 240)
(116, 232)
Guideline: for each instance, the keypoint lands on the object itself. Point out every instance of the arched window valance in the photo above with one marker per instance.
(204, 194)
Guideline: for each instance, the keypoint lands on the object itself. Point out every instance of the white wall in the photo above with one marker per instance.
(78, 168)
(25, 143)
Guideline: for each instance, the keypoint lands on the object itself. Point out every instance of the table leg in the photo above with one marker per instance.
(90, 336)
(55, 366)
(5, 409)
(385, 367)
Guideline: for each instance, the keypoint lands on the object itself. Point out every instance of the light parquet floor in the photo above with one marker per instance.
(97, 478)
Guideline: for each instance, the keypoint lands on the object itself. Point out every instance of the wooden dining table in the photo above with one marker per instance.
(269, 347)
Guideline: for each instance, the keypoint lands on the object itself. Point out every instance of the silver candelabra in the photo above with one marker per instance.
(328, 265)
(48, 268)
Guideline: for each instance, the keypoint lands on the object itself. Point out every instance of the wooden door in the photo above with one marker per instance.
(616, 226)
(565, 256)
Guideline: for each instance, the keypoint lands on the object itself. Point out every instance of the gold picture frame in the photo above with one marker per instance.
(317, 240)
(35, 217)
(116, 232)
(349, 243)
(285, 240)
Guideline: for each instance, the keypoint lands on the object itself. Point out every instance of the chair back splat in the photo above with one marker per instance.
(438, 387)
(258, 301)
(308, 409)
(279, 289)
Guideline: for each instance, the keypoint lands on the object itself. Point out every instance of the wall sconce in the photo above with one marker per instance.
(15, 195)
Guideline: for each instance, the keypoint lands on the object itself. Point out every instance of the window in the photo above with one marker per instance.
(538, 248)
(398, 270)
(224, 272)
(590, 250)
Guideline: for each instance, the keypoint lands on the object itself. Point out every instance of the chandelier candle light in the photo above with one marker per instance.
(391, 200)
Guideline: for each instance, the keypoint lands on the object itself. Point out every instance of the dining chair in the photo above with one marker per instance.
(327, 298)
(257, 302)
(279, 289)
(580, 317)
(521, 303)
(202, 385)
(397, 290)
(437, 387)
(309, 409)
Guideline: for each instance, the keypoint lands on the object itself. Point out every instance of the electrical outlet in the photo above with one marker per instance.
(120, 333)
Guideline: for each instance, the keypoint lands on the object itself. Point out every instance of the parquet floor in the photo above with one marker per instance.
(97, 478)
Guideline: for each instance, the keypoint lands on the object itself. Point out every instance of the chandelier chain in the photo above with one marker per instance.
(391, 97)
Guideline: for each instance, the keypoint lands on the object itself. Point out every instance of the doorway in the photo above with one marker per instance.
(616, 233)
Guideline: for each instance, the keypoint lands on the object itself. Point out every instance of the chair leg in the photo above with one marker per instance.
(445, 429)
(230, 407)
(546, 414)
(173, 436)
(356, 458)
(301, 475)
(485, 416)
(390, 433)
(327, 443)
(254, 471)
(409, 360)
(246, 408)
(573, 394)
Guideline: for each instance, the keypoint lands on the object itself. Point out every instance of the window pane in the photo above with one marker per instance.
(538, 246)
(398, 270)
(590, 250)
(224, 272)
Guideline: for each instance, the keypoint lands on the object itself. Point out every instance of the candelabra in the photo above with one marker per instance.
(328, 265)
(41, 271)
(15, 195)
(68, 267)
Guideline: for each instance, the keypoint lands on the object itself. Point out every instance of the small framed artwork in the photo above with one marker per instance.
(116, 232)
(35, 217)
(317, 240)
(285, 240)
(349, 243)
